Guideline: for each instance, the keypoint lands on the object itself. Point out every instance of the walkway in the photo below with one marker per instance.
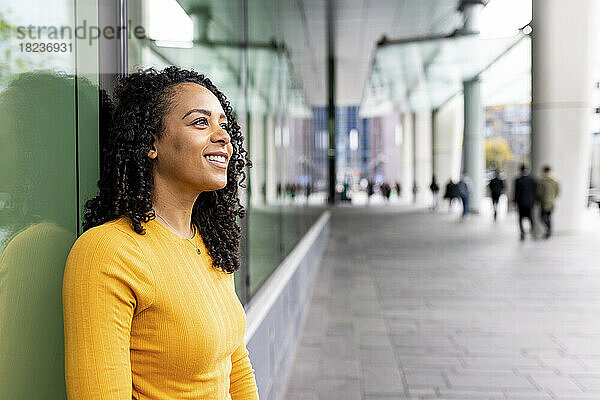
(413, 305)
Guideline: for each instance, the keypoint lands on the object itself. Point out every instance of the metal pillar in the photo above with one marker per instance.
(407, 156)
(471, 10)
(434, 130)
(331, 99)
(473, 150)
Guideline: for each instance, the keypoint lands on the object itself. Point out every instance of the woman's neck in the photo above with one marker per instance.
(178, 230)
(175, 217)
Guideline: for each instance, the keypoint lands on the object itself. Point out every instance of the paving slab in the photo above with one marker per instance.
(410, 304)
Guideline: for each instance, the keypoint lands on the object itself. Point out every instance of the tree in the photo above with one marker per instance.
(12, 61)
(497, 151)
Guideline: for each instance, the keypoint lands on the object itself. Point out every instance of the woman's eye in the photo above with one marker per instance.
(202, 120)
(225, 126)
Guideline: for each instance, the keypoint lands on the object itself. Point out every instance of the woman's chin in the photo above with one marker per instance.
(217, 185)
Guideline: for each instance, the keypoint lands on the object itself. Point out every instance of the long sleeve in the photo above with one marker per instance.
(106, 283)
(243, 382)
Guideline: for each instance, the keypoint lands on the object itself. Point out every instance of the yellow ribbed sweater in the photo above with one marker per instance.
(146, 317)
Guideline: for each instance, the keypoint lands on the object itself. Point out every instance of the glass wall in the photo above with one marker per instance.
(283, 189)
(241, 46)
(48, 166)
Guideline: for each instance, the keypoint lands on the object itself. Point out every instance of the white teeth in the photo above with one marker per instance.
(216, 158)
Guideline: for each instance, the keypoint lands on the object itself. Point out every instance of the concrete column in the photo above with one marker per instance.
(284, 153)
(271, 162)
(563, 55)
(473, 149)
(406, 172)
(423, 155)
(258, 157)
(447, 136)
(595, 178)
(390, 148)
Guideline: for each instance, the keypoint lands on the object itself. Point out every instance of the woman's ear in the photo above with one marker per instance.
(152, 153)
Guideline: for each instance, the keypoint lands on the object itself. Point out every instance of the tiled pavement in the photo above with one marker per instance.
(413, 305)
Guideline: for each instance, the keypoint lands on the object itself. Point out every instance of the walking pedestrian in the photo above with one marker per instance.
(496, 186)
(525, 197)
(548, 189)
(434, 187)
(398, 189)
(451, 193)
(386, 191)
(415, 190)
(370, 190)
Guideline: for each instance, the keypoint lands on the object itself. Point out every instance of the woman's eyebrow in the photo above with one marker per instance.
(198, 110)
(202, 111)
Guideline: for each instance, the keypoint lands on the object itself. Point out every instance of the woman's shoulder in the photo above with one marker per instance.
(108, 256)
(112, 247)
(116, 233)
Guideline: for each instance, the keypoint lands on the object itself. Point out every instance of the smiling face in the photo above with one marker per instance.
(195, 147)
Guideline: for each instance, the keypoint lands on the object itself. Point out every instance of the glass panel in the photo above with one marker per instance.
(508, 81)
(296, 130)
(88, 106)
(264, 91)
(440, 66)
(38, 192)
(506, 95)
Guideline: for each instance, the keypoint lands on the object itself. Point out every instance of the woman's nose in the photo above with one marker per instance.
(221, 135)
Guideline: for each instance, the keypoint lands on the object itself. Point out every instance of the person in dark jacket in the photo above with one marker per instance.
(525, 198)
(496, 186)
(451, 193)
(398, 189)
(386, 190)
(370, 190)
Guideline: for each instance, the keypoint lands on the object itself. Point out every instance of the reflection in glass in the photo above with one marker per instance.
(38, 220)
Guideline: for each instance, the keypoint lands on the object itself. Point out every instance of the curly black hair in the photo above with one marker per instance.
(141, 101)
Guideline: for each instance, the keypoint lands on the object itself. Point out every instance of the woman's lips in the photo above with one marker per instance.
(217, 164)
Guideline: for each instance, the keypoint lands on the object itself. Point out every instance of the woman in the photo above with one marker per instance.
(150, 309)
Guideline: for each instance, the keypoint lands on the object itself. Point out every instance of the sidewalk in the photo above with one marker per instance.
(414, 305)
